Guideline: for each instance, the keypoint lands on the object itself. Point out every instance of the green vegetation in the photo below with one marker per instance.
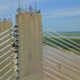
(68, 33)
(59, 42)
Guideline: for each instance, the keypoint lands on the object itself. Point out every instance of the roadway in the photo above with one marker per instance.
(60, 65)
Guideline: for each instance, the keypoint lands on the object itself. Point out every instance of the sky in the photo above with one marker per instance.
(57, 15)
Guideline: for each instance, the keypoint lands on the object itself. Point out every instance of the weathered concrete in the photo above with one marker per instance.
(30, 56)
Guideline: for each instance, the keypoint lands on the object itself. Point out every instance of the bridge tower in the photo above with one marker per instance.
(29, 23)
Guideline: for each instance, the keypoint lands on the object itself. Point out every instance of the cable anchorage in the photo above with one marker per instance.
(15, 45)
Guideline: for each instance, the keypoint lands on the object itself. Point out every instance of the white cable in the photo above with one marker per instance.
(63, 45)
(67, 42)
(50, 63)
(59, 46)
(50, 75)
(57, 73)
(4, 32)
(5, 47)
(5, 66)
(11, 76)
(5, 42)
(6, 53)
(63, 63)
(7, 72)
(66, 38)
(4, 36)
(76, 56)
(63, 58)
(6, 59)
